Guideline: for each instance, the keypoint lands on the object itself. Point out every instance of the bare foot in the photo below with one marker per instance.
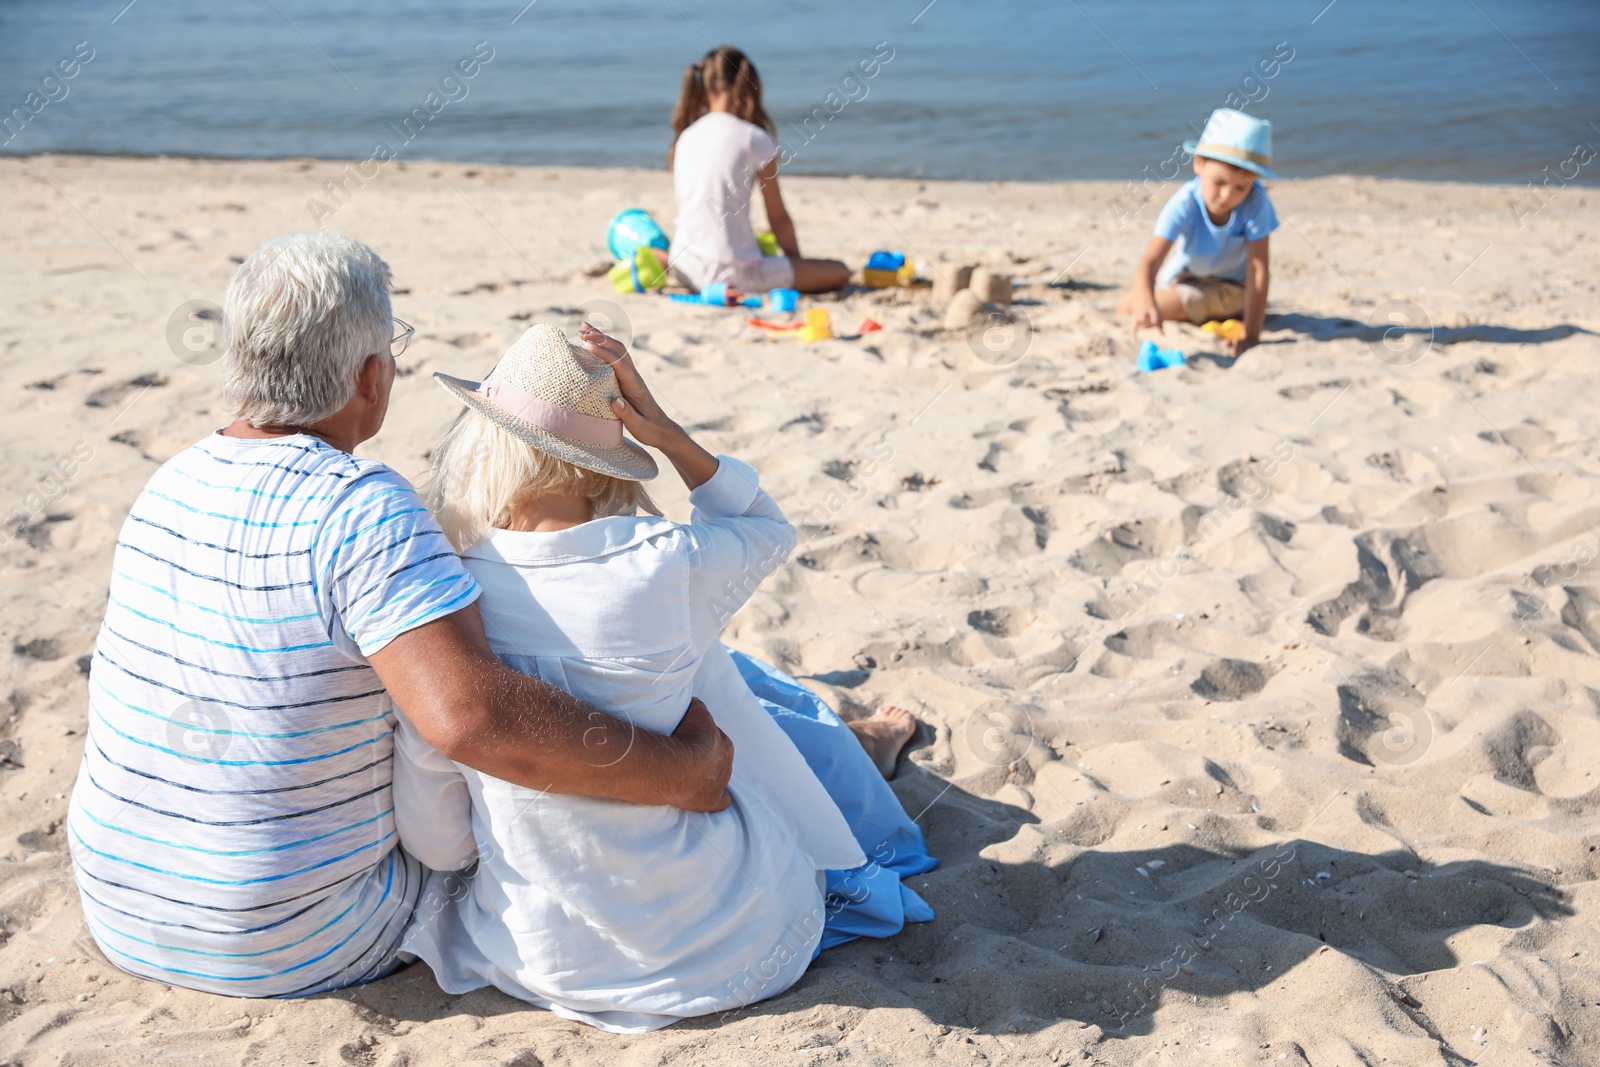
(884, 735)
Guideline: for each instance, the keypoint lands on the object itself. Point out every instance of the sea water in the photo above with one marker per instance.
(1494, 90)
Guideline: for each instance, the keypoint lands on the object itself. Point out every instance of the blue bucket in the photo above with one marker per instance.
(632, 230)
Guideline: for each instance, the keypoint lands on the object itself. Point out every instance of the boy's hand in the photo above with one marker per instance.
(1146, 315)
(1238, 347)
(1140, 298)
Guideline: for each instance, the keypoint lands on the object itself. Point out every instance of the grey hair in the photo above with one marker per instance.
(301, 316)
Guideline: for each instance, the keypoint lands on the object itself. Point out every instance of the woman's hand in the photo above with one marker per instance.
(638, 410)
(643, 417)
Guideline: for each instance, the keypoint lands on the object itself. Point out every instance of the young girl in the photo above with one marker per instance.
(722, 145)
(625, 917)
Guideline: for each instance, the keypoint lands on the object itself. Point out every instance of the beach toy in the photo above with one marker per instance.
(634, 229)
(883, 269)
(717, 294)
(1153, 358)
(641, 271)
(1228, 330)
(778, 327)
(818, 327)
(767, 241)
(869, 326)
(784, 299)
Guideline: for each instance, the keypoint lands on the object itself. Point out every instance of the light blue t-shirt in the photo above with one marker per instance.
(1203, 248)
(233, 826)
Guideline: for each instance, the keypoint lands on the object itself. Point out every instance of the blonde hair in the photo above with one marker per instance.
(481, 472)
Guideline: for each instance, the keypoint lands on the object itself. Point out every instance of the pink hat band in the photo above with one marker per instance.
(572, 425)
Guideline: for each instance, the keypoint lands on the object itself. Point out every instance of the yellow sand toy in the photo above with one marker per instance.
(818, 326)
(1228, 330)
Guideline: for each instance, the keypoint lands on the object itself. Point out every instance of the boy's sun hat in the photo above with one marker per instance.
(1237, 138)
(556, 396)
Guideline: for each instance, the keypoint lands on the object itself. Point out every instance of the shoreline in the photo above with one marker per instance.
(1581, 181)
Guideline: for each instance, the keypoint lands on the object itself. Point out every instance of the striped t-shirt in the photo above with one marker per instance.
(232, 827)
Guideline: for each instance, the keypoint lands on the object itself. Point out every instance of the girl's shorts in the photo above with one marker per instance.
(757, 276)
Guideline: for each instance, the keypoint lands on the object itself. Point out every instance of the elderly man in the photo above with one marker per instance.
(273, 597)
(273, 600)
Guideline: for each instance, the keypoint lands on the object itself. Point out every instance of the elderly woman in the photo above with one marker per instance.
(624, 918)
(272, 597)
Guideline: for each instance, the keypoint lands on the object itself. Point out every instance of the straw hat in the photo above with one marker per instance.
(1237, 138)
(556, 396)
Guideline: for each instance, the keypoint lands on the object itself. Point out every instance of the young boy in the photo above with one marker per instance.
(1219, 221)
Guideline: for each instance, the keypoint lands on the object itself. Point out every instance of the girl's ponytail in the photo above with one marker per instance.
(691, 105)
(744, 86)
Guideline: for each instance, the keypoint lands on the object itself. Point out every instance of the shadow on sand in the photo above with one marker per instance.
(1106, 937)
(1323, 328)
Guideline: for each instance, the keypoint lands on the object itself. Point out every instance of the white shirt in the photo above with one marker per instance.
(624, 916)
(715, 170)
(232, 827)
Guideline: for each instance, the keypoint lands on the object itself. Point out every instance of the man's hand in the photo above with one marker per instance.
(710, 758)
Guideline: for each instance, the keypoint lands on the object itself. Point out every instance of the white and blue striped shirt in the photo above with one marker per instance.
(232, 827)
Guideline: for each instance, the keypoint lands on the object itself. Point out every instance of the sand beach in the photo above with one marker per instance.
(1261, 699)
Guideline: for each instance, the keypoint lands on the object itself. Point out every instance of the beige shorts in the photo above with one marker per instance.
(758, 276)
(1209, 299)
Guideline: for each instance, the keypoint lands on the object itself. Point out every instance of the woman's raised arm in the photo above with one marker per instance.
(644, 418)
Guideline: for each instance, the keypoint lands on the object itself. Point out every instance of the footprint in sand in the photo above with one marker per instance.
(1232, 679)
(157, 446)
(49, 384)
(1000, 622)
(114, 396)
(43, 649)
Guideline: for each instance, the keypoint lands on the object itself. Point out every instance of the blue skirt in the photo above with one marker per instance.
(869, 901)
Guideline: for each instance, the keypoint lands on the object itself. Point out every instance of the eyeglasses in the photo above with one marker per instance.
(397, 343)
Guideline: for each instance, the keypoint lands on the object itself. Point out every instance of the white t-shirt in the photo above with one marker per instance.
(715, 171)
